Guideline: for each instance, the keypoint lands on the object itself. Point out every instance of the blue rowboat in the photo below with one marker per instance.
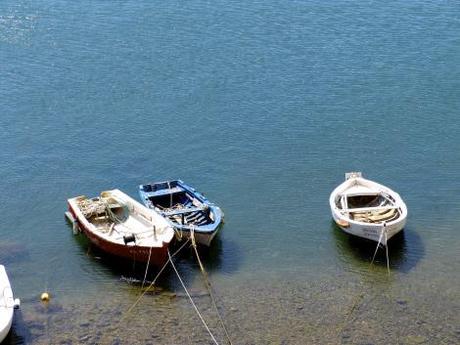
(186, 209)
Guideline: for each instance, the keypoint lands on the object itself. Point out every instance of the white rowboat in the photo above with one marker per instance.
(367, 209)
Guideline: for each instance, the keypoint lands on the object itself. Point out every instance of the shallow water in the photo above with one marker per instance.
(263, 107)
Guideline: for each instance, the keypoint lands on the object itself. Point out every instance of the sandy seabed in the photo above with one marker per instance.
(327, 311)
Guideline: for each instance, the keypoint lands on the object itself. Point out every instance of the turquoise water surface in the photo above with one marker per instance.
(262, 106)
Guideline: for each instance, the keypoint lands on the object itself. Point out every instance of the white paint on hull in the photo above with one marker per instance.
(7, 304)
(355, 185)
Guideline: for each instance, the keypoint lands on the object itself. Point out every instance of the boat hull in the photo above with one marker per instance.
(155, 256)
(203, 238)
(6, 304)
(375, 226)
(369, 231)
(158, 256)
(128, 239)
(204, 234)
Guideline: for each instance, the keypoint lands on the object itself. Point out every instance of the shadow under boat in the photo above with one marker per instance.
(20, 332)
(405, 249)
(224, 255)
(134, 272)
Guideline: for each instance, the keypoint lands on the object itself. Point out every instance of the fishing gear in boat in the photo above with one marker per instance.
(183, 207)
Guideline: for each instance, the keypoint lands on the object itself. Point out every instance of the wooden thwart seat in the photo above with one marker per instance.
(369, 209)
(375, 216)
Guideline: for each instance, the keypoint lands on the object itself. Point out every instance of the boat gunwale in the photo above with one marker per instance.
(214, 209)
(340, 190)
(118, 241)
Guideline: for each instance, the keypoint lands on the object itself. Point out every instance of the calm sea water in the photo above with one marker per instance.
(263, 106)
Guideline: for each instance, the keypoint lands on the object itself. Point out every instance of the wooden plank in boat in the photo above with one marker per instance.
(365, 209)
(164, 192)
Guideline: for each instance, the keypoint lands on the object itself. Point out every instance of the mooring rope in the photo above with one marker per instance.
(386, 250)
(118, 321)
(357, 302)
(382, 233)
(154, 280)
(208, 284)
(378, 244)
(191, 300)
(146, 268)
(178, 233)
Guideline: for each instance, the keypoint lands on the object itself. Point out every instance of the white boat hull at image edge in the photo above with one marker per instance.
(7, 304)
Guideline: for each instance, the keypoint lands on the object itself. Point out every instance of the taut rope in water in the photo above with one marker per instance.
(147, 268)
(148, 288)
(154, 280)
(378, 244)
(386, 250)
(191, 300)
(382, 233)
(208, 284)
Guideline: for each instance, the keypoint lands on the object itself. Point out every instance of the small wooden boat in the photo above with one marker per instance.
(367, 209)
(121, 226)
(7, 304)
(186, 209)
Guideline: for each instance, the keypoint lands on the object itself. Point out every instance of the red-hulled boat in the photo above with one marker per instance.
(121, 226)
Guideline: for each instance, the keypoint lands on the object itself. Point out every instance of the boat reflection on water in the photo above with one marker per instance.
(211, 256)
(217, 257)
(222, 256)
(97, 261)
(405, 249)
(20, 332)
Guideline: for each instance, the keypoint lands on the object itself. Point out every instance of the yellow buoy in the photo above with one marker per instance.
(45, 297)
